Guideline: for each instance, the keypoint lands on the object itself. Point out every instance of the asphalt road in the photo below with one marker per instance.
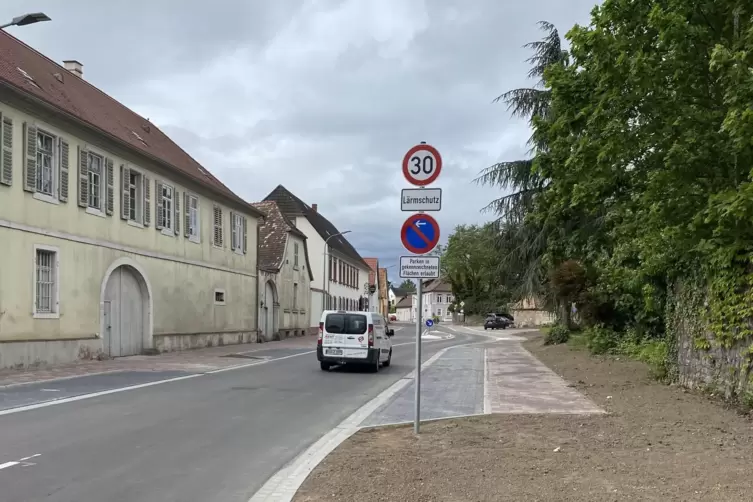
(216, 437)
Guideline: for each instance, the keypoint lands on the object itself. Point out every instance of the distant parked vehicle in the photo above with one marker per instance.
(497, 321)
(393, 317)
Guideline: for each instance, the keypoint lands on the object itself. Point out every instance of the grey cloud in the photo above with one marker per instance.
(322, 96)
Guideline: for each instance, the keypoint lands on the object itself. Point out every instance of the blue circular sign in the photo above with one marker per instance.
(429, 323)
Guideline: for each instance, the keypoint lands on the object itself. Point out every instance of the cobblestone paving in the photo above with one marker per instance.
(452, 386)
(517, 382)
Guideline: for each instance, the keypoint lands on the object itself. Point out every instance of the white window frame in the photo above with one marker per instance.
(55, 197)
(295, 296)
(138, 199)
(55, 288)
(224, 297)
(236, 233)
(97, 211)
(54, 167)
(295, 255)
(194, 226)
(167, 230)
(439, 298)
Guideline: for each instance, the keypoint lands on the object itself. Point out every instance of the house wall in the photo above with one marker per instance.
(295, 289)
(337, 290)
(179, 274)
(529, 318)
(404, 314)
(316, 254)
(435, 303)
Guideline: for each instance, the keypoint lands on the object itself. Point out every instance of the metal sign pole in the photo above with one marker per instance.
(419, 310)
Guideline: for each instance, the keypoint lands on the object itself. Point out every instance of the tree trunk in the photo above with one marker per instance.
(564, 317)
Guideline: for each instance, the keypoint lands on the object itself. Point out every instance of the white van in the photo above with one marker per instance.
(353, 337)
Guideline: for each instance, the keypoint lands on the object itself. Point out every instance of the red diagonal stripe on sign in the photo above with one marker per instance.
(421, 235)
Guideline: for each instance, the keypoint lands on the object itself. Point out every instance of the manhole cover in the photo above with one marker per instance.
(241, 355)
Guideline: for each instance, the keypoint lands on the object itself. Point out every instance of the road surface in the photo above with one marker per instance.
(216, 437)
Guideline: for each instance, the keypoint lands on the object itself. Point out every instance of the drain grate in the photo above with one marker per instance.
(241, 355)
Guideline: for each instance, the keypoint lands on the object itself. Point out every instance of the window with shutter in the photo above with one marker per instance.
(217, 237)
(147, 189)
(176, 220)
(192, 217)
(6, 152)
(63, 170)
(30, 157)
(295, 255)
(96, 183)
(166, 210)
(110, 182)
(158, 205)
(236, 221)
(83, 177)
(244, 241)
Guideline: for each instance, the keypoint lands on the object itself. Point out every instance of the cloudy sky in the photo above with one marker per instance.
(321, 96)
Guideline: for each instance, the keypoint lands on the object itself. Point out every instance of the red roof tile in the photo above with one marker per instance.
(373, 264)
(32, 73)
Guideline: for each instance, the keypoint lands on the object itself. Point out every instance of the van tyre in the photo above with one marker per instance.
(374, 368)
(324, 366)
(389, 360)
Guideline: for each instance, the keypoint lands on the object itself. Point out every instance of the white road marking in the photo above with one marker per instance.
(94, 394)
(21, 461)
(64, 400)
(50, 390)
(283, 485)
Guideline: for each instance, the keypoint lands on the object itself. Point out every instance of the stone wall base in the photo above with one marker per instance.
(32, 354)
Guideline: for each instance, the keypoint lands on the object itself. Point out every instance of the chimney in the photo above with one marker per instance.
(314, 207)
(74, 67)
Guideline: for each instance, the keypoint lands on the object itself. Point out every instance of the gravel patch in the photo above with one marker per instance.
(658, 443)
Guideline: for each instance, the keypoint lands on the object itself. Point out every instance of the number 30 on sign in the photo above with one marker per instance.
(422, 165)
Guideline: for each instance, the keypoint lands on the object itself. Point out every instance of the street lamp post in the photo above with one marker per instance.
(35, 17)
(325, 283)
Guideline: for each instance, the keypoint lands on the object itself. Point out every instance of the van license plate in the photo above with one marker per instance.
(334, 352)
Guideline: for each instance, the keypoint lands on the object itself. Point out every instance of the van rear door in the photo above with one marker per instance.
(346, 335)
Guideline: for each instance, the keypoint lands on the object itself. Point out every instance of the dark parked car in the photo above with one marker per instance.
(498, 321)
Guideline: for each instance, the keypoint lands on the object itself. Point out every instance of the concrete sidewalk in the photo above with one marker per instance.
(497, 377)
(188, 361)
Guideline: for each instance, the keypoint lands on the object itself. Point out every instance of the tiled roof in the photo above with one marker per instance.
(399, 293)
(34, 75)
(273, 236)
(436, 285)
(373, 264)
(405, 303)
(290, 205)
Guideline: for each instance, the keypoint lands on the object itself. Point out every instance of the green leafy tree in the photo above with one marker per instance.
(470, 263)
(407, 285)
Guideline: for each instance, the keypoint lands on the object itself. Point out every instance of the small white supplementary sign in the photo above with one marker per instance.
(421, 199)
(419, 267)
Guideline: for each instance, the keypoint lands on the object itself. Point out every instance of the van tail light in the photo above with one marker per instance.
(371, 335)
(321, 333)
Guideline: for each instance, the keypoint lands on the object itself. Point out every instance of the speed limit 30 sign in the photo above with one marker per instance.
(422, 165)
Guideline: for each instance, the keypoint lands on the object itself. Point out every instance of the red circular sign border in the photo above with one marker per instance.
(433, 177)
(404, 232)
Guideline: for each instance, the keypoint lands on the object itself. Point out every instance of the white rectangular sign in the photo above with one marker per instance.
(421, 199)
(419, 267)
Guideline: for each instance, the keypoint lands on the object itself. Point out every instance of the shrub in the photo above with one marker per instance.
(557, 334)
(600, 339)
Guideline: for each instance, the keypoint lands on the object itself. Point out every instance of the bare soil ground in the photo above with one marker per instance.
(657, 443)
